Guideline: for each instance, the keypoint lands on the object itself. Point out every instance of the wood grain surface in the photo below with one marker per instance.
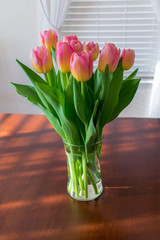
(34, 203)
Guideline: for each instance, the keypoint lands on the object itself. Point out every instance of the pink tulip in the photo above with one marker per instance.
(63, 55)
(81, 66)
(76, 45)
(94, 48)
(48, 39)
(41, 59)
(128, 56)
(69, 38)
(109, 55)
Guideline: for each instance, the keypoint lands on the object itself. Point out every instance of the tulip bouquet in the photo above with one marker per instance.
(77, 101)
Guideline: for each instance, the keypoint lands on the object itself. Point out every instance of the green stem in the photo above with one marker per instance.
(46, 77)
(71, 187)
(79, 175)
(67, 77)
(49, 78)
(63, 81)
(83, 95)
(91, 178)
(74, 176)
(54, 76)
(53, 55)
(82, 90)
(81, 183)
(85, 176)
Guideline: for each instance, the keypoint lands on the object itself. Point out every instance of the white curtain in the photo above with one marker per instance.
(156, 5)
(154, 108)
(52, 14)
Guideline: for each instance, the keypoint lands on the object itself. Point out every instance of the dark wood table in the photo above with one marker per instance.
(34, 203)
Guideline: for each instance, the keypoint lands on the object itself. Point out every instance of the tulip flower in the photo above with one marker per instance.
(69, 38)
(81, 66)
(63, 55)
(41, 59)
(76, 45)
(48, 39)
(109, 55)
(94, 48)
(128, 56)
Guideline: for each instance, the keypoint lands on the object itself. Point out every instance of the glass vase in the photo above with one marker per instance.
(84, 173)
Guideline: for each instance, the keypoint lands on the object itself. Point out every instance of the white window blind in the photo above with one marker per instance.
(127, 24)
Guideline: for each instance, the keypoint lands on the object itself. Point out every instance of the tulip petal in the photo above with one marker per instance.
(81, 66)
(42, 39)
(41, 59)
(76, 45)
(69, 38)
(63, 55)
(128, 56)
(115, 61)
(48, 39)
(94, 48)
(109, 55)
(46, 61)
(36, 61)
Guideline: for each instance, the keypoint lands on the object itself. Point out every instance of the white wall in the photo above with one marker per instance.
(19, 33)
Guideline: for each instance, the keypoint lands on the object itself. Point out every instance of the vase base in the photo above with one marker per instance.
(91, 193)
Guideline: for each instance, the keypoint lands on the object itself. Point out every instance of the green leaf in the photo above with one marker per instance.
(43, 100)
(54, 77)
(58, 83)
(128, 90)
(91, 133)
(54, 55)
(54, 92)
(119, 65)
(70, 128)
(132, 75)
(54, 121)
(79, 104)
(112, 98)
(104, 81)
(63, 80)
(28, 92)
(90, 83)
(88, 100)
(49, 99)
(69, 109)
(51, 77)
(34, 77)
(97, 84)
(81, 128)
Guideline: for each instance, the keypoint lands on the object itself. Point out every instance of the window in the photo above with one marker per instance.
(127, 24)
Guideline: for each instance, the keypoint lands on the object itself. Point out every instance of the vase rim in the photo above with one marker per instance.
(74, 145)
